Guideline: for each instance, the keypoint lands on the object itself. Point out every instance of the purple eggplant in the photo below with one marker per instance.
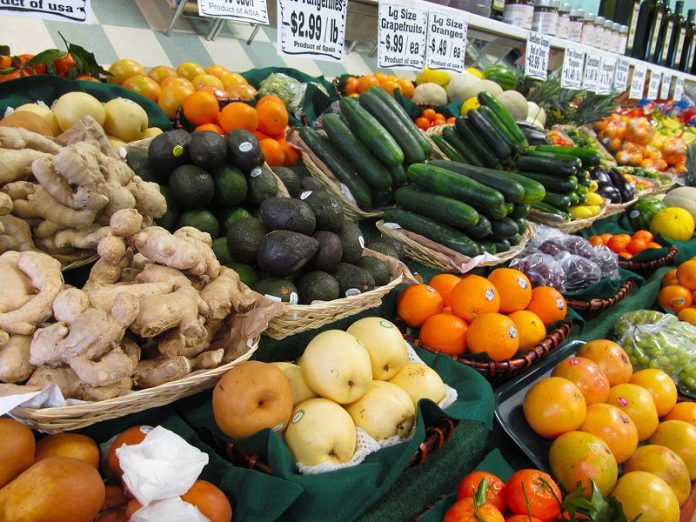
(627, 190)
(610, 192)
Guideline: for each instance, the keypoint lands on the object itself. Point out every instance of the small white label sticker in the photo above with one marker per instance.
(305, 194)
(278, 427)
(490, 294)
(256, 172)
(352, 292)
(294, 298)
(512, 332)
(361, 240)
(298, 416)
(245, 146)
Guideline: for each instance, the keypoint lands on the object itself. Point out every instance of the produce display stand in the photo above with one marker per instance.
(564, 225)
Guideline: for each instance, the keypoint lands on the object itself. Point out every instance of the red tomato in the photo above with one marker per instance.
(494, 494)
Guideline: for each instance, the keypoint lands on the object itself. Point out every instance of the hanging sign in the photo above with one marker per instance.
(654, 85)
(590, 80)
(401, 34)
(536, 60)
(679, 89)
(571, 74)
(313, 29)
(621, 74)
(606, 74)
(254, 11)
(446, 40)
(58, 10)
(666, 86)
(637, 82)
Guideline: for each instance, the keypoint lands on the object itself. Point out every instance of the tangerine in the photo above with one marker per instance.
(685, 411)
(643, 235)
(123, 69)
(416, 303)
(201, 107)
(554, 406)
(133, 435)
(530, 328)
(638, 404)
(619, 242)
(514, 288)
(474, 295)
(636, 246)
(273, 118)
(209, 127)
(367, 82)
(217, 70)
(663, 462)
(162, 72)
(189, 70)
(586, 375)
(292, 155)
(238, 115)
(675, 297)
(533, 493)
(444, 333)
(653, 244)
(422, 123)
(646, 497)
(548, 304)
(680, 437)
(660, 386)
(351, 85)
(596, 240)
(429, 114)
(209, 500)
(611, 358)
(614, 427)
(495, 335)
(670, 278)
(686, 274)
(269, 98)
(465, 510)
(494, 494)
(272, 152)
(143, 85)
(444, 284)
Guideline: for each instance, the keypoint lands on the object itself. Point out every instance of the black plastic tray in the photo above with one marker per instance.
(508, 406)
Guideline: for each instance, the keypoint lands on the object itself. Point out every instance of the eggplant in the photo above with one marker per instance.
(609, 192)
(532, 133)
(601, 176)
(627, 190)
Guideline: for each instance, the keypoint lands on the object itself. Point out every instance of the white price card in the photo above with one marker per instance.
(571, 74)
(536, 61)
(76, 11)
(621, 74)
(638, 82)
(679, 89)
(666, 86)
(654, 84)
(401, 34)
(446, 40)
(313, 29)
(254, 11)
(606, 74)
(590, 80)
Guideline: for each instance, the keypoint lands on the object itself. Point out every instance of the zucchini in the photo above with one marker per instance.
(482, 151)
(560, 158)
(561, 201)
(583, 176)
(502, 245)
(394, 126)
(509, 208)
(489, 135)
(550, 209)
(371, 132)
(455, 139)
(521, 225)
(526, 163)
(438, 232)
(443, 209)
(371, 170)
(397, 109)
(338, 165)
(553, 183)
(515, 240)
(533, 190)
(520, 211)
(482, 229)
(489, 115)
(447, 149)
(589, 157)
(488, 100)
(497, 179)
(488, 246)
(398, 175)
(504, 228)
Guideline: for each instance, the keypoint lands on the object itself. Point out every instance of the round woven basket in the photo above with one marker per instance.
(437, 131)
(648, 267)
(595, 306)
(564, 225)
(74, 417)
(613, 209)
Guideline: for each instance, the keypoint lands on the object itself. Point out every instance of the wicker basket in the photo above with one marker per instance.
(65, 418)
(437, 131)
(645, 268)
(440, 261)
(564, 225)
(591, 308)
(613, 209)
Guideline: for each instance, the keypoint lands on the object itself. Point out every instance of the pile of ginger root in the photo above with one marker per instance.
(156, 307)
(58, 195)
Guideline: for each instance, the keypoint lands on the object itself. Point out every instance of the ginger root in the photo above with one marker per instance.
(118, 364)
(15, 165)
(5, 204)
(19, 139)
(160, 312)
(153, 372)
(225, 293)
(102, 393)
(14, 359)
(149, 200)
(64, 378)
(208, 360)
(15, 234)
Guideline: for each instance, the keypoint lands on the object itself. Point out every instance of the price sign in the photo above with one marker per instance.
(254, 11)
(666, 86)
(76, 11)
(638, 82)
(571, 74)
(606, 74)
(679, 89)
(446, 40)
(621, 74)
(654, 85)
(536, 61)
(401, 35)
(590, 80)
(313, 29)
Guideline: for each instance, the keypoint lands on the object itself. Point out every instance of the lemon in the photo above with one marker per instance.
(580, 212)
(470, 104)
(594, 209)
(430, 76)
(593, 199)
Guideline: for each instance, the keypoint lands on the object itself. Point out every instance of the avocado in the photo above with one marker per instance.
(290, 180)
(207, 149)
(202, 220)
(309, 183)
(326, 207)
(387, 246)
(284, 252)
(352, 241)
(230, 216)
(288, 214)
(137, 160)
(230, 187)
(378, 269)
(262, 185)
(221, 251)
(246, 273)
(191, 187)
(317, 286)
(280, 288)
(168, 220)
(169, 150)
(244, 238)
(329, 253)
(243, 150)
(353, 279)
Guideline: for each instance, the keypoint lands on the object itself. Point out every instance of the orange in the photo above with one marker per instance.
(201, 107)
(444, 284)
(652, 244)
(586, 375)
(619, 242)
(269, 98)
(680, 437)
(660, 386)
(675, 297)
(474, 296)
(241, 92)
(172, 97)
(494, 494)
(606, 237)
(444, 333)
(123, 69)
(418, 302)
(143, 85)
(232, 79)
(534, 494)
(614, 427)
(686, 274)
(133, 435)
(189, 70)
(273, 118)
(210, 501)
(207, 80)
(611, 358)
(522, 518)
(625, 255)
(688, 315)
(429, 114)
(685, 411)
(209, 127)
(261, 136)
(292, 155)
(273, 152)
(423, 123)
(238, 115)
(596, 240)
(644, 496)
(530, 328)
(406, 87)
(495, 335)
(644, 235)
(554, 406)
(635, 246)
(465, 510)
(171, 81)
(638, 404)
(389, 84)
(670, 278)
(351, 85)
(548, 304)
(217, 70)
(161, 72)
(666, 464)
(367, 82)
(438, 121)
(514, 288)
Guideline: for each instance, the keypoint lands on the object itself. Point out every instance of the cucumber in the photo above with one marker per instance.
(443, 209)
(482, 229)
(509, 208)
(561, 201)
(394, 126)
(455, 139)
(574, 198)
(398, 175)
(397, 109)
(371, 170)
(504, 228)
(550, 209)
(497, 179)
(533, 190)
(502, 245)
(488, 100)
(488, 246)
(553, 183)
(515, 240)
(447, 149)
(521, 225)
(492, 118)
(438, 232)
(520, 211)
(338, 165)
(484, 153)
(589, 157)
(526, 163)
(371, 132)
(489, 135)
(566, 161)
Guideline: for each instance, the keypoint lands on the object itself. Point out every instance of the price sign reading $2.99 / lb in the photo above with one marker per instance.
(313, 29)
(571, 74)
(401, 34)
(536, 60)
(446, 40)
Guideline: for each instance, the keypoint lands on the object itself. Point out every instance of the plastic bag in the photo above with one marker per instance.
(334, 108)
(607, 261)
(288, 89)
(541, 269)
(580, 272)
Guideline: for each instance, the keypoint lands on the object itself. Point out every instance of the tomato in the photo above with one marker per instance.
(64, 65)
(533, 492)
(464, 510)
(494, 494)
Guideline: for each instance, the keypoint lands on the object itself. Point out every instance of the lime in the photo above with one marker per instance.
(230, 216)
(230, 187)
(200, 219)
(221, 251)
